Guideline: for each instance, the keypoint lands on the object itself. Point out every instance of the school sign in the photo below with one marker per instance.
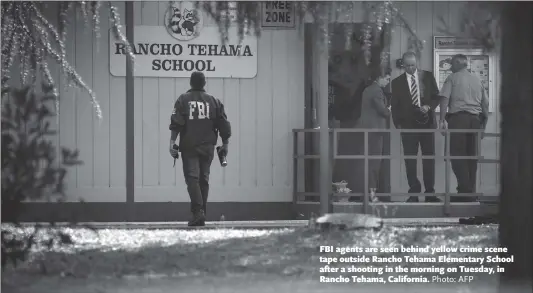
(183, 45)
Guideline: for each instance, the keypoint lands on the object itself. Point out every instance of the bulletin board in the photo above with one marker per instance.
(479, 63)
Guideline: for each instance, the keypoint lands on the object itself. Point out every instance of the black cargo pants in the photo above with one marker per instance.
(196, 169)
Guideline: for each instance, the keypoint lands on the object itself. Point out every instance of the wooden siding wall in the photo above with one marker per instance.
(263, 111)
(423, 16)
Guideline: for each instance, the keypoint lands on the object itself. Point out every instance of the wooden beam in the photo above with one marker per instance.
(323, 122)
(130, 115)
(516, 146)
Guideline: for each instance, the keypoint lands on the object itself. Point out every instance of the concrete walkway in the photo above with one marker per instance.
(255, 224)
(231, 284)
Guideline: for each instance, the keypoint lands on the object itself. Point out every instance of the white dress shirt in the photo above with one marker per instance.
(409, 82)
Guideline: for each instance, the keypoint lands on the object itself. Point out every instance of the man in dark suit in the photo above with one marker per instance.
(413, 102)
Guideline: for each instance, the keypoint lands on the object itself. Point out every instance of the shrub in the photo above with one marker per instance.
(29, 168)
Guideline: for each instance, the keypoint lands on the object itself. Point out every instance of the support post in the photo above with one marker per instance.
(366, 197)
(516, 153)
(294, 168)
(130, 117)
(447, 163)
(325, 176)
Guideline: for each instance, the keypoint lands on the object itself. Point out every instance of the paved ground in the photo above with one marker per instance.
(259, 224)
(233, 284)
(232, 260)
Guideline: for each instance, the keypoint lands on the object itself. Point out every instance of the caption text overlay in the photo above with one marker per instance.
(409, 264)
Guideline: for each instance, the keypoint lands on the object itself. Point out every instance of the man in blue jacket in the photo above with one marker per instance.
(198, 118)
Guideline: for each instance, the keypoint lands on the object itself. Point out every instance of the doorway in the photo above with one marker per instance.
(347, 77)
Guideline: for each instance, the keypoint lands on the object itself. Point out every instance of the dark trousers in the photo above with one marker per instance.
(196, 169)
(411, 143)
(376, 146)
(464, 144)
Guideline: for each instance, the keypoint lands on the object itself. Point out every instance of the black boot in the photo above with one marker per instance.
(198, 219)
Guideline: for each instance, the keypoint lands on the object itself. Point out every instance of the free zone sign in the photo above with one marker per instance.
(278, 14)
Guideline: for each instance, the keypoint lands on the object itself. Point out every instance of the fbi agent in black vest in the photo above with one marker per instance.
(198, 118)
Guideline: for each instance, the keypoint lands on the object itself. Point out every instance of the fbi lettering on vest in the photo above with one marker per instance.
(199, 108)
